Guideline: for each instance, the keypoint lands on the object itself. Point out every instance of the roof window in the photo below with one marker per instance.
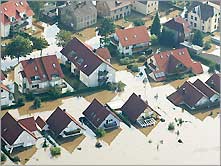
(126, 38)
(53, 65)
(36, 68)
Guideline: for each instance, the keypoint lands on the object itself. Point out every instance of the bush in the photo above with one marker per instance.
(100, 133)
(116, 86)
(129, 66)
(55, 151)
(54, 92)
(120, 86)
(37, 103)
(3, 157)
(134, 68)
(16, 159)
(142, 58)
(154, 40)
(138, 22)
(212, 68)
(29, 96)
(171, 126)
(21, 101)
(125, 61)
(207, 45)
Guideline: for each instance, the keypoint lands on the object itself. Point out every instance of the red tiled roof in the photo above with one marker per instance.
(209, 92)
(4, 87)
(44, 67)
(214, 82)
(11, 129)
(167, 61)
(103, 53)
(59, 120)
(82, 57)
(40, 122)
(12, 8)
(96, 113)
(28, 123)
(131, 36)
(134, 107)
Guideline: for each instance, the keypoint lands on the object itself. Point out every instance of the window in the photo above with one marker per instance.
(215, 27)
(1, 90)
(203, 28)
(126, 7)
(191, 23)
(191, 17)
(121, 9)
(194, 24)
(196, 18)
(127, 48)
(35, 86)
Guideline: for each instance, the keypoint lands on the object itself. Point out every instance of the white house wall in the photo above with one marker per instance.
(5, 30)
(71, 127)
(25, 138)
(110, 117)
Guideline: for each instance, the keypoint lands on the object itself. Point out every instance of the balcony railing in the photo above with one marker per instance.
(110, 125)
(77, 131)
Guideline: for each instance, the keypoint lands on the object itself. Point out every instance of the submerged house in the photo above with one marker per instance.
(139, 112)
(100, 116)
(16, 134)
(172, 62)
(195, 95)
(214, 82)
(61, 123)
(92, 69)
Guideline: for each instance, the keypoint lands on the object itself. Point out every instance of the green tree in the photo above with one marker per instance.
(36, 7)
(167, 37)
(55, 151)
(106, 28)
(21, 101)
(37, 103)
(198, 38)
(100, 132)
(138, 22)
(3, 157)
(63, 37)
(54, 92)
(39, 44)
(207, 45)
(212, 68)
(18, 47)
(156, 26)
(154, 39)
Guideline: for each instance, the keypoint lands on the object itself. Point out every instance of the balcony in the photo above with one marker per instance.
(73, 132)
(110, 125)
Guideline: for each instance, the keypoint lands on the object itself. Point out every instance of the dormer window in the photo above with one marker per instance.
(21, 3)
(53, 65)
(36, 68)
(16, 4)
(126, 38)
(5, 9)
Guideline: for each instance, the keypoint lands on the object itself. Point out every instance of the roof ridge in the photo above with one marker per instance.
(191, 84)
(206, 85)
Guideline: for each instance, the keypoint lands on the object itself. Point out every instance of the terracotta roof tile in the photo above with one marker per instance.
(28, 123)
(103, 53)
(40, 122)
(131, 36)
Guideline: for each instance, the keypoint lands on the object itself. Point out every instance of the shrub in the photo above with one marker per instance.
(16, 159)
(120, 86)
(116, 86)
(207, 45)
(212, 68)
(21, 101)
(138, 22)
(30, 96)
(54, 92)
(154, 39)
(129, 66)
(37, 103)
(135, 68)
(111, 86)
(171, 126)
(55, 151)
(3, 157)
(125, 61)
(100, 133)
(142, 58)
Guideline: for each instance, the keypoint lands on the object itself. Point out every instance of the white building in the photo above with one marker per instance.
(100, 116)
(15, 14)
(145, 7)
(131, 40)
(39, 74)
(63, 124)
(14, 134)
(91, 68)
(203, 16)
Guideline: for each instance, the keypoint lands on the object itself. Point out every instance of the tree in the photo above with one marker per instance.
(3, 157)
(21, 101)
(36, 7)
(37, 103)
(198, 38)
(138, 22)
(106, 28)
(212, 68)
(54, 92)
(39, 43)
(207, 45)
(100, 132)
(63, 37)
(167, 37)
(18, 47)
(155, 28)
(171, 126)
(154, 39)
(55, 151)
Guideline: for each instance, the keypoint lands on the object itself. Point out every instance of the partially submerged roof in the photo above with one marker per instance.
(134, 107)
(131, 36)
(28, 123)
(11, 129)
(96, 113)
(214, 82)
(59, 120)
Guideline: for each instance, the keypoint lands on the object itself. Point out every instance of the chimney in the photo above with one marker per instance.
(64, 110)
(139, 96)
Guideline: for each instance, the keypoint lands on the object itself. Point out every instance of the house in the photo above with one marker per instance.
(39, 74)
(7, 90)
(104, 53)
(78, 15)
(113, 10)
(138, 111)
(180, 27)
(61, 123)
(15, 14)
(30, 124)
(132, 40)
(168, 63)
(14, 134)
(194, 95)
(214, 82)
(92, 69)
(145, 7)
(203, 16)
(100, 116)
(41, 124)
(50, 13)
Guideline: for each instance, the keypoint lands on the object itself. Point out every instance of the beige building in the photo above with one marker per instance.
(203, 16)
(78, 15)
(145, 7)
(113, 9)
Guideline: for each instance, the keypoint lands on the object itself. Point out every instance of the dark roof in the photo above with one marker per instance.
(96, 113)
(209, 92)
(28, 123)
(134, 107)
(82, 57)
(40, 122)
(11, 129)
(44, 67)
(59, 120)
(214, 82)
